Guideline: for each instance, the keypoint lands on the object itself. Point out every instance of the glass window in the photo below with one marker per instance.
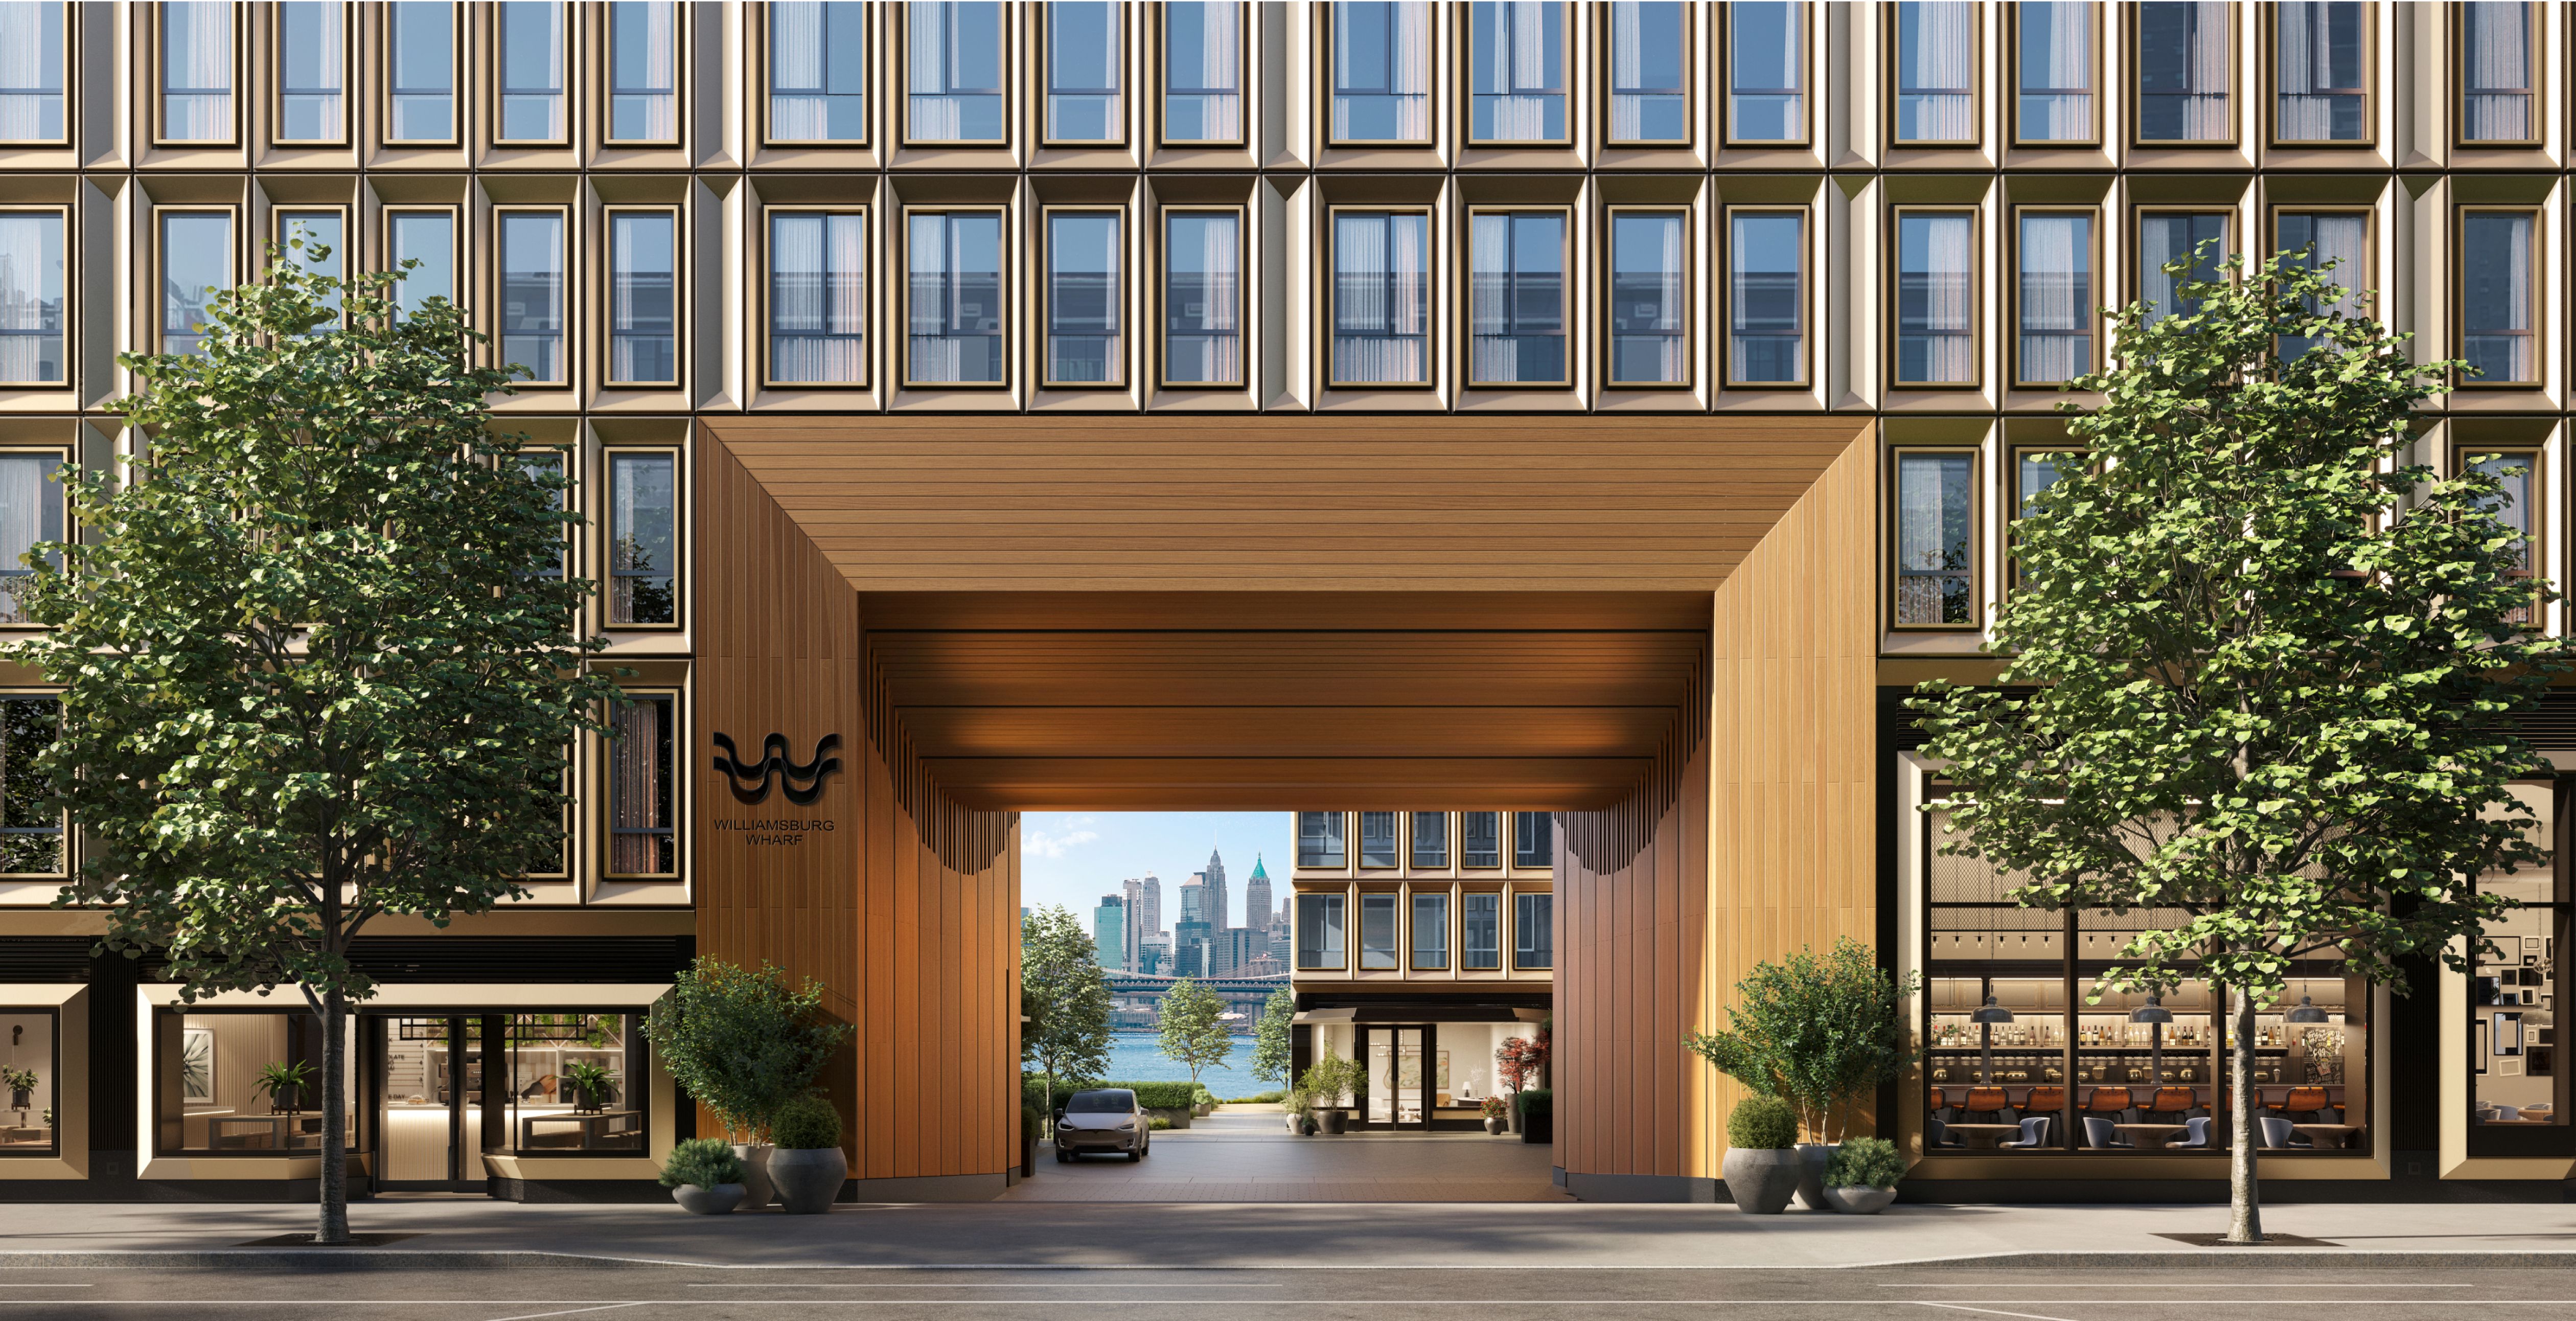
(1533, 931)
(2499, 298)
(2055, 296)
(1480, 932)
(1202, 71)
(1377, 931)
(1377, 840)
(818, 297)
(420, 66)
(643, 71)
(2034, 471)
(1766, 297)
(1649, 85)
(210, 1097)
(1766, 63)
(196, 263)
(643, 293)
(2341, 238)
(1430, 839)
(1319, 839)
(2054, 99)
(955, 331)
(1936, 292)
(1533, 839)
(1085, 343)
(643, 834)
(429, 238)
(565, 1085)
(532, 294)
(1319, 926)
(2518, 1094)
(31, 510)
(643, 536)
(1082, 102)
(1381, 298)
(1430, 930)
(2321, 49)
(2166, 237)
(312, 241)
(2185, 70)
(1202, 298)
(1649, 304)
(1381, 71)
(196, 71)
(953, 71)
(31, 299)
(310, 60)
(31, 83)
(1519, 71)
(818, 71)
(31, 834)
(1480, 839)
(531, 36)
(1517, 298)
(2516, 473)
(31, 1068)
(2498, 40)
(1935, 539)
(1936, 72)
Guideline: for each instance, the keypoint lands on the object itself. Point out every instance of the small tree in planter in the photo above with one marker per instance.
(1861, 1178)
(807, 1167)
(704, 1176)
(589, 1083)
(1521, 1062)
(1326, 1082)
(743, 1044)
(1194, 1033)
(1762, 1164)
(284, 1085)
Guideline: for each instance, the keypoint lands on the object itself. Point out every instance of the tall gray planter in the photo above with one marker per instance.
(755, 1173)
(1762, 1179)
(1812, 1159)
(807, 1181)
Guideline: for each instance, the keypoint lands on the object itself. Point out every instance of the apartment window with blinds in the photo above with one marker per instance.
(2186, 71)
(2517, 477)
(1377, 932)
(1533, 839)
(2053, 89)
(1430, 931)
(1202, 72)
(2167, 237)
(1085, 337)
(196, 54)
(32, 73)
(1518, 68)
(426, 236)
(643, 71)
(953, 71)
(31, 510)
(532, 294)
(818, 71)
(643, 538)
(1381, 298)
(1649, 72)
(1533, 931)
(1377, 840)
(1936, 73)
(1936, 566)
(1082, 67)
(2337, 238)
(194, 260)
(1202, 297)
(1319, 839)
(1649, 298)
(818, 297)
(1381, 71)
(2053, 296)
(2321, 51)
(1936, 291)
(1319, 931)
(531, 36)
(1480, 839)
(953, 295)
(1766, 68)
(311, 243)
(1480, 932)
(312, 56)
(2500, 296)
(1430, 840)
(1766, 297)
(33, 312)
(643, 792)
(420, 72)
(1516, 298)
(2499, 44)
(643, 297)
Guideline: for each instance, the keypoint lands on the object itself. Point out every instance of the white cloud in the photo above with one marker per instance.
(1040, 844)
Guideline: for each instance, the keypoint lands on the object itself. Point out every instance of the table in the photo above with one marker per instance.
(2151, 1135)
(1984, 1136)
(2340, 1135)
(222, 1138)
(588, 1127)
(14, 1136)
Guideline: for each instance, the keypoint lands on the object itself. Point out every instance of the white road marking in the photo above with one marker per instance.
(532, 1316)
(2026, 1316)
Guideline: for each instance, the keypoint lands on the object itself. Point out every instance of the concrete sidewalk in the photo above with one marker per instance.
(471, 1233)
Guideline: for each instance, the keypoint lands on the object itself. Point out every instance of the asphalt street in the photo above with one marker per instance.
(701, 1294)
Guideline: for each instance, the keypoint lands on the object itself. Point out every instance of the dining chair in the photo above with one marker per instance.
(1936, 1137)
(1985, 1101)
(2309, 1101)
(2281, 1135)
(2195, 1138)
(2175, 1101)
(2034, 1133)
(2099, 1133)
(2047, 1100)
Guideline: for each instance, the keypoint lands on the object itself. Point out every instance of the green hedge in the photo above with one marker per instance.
(1536, 1100)
(1151, 1095)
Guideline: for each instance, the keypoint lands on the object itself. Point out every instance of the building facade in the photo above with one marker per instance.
(1081, 406)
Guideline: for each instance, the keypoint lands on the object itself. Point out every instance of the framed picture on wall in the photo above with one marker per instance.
(196, 1064)
(2541, 1061)
(2478, 1054)
(2509, 1068)
(2530, 996)
(2508, 1034)
(2531, 944)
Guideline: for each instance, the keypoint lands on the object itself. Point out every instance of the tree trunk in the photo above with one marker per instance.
(2244, 1197)
(334, 1227)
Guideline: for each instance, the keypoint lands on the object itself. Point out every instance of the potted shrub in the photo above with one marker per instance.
(1293, 1105)
(1327, 1081)
(1497, 1113)
(1202, 1101)
(743, 1044)
(1762, 1164)
(1861, 1178)
(21, 1084)
(805, 1161)
(704, 1176)
(1538, 1113)
(284, 1084)
(589, 1085)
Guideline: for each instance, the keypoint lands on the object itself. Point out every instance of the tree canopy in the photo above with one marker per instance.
(1194, 1031)
(1066, 998)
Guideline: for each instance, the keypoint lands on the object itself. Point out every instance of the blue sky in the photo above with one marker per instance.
(1073, 858)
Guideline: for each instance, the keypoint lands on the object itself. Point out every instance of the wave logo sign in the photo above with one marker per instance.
(751, 781)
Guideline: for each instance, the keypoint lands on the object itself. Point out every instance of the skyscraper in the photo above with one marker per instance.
(1256, 898)
(1215, 897)
(1150, 921)
(1193, 901)
(1109, 932)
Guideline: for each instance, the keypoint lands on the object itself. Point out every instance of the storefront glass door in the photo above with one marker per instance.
(431, 1105)
(1398, 1085)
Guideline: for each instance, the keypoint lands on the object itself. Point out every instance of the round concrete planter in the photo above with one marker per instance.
(1812, 1159)
(715, 1201)
(807, 1181)
(755, 1173)
(1762, 1179)
(1861, 1201)
(1333, 1120)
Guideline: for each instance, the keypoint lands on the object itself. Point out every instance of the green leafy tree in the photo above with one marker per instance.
(1065, 997)
(1822, 1033)
(741, 1043)
(308, 676)
(2262, 668)
(1194, 1030)
(1271, 1053)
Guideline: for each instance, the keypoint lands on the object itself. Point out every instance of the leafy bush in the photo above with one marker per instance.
(1033, 1122)
(1494, 1107)
(1822, 1031)
(1265, 1098)
(1535, 1100)
(1864, 1163)
(1762, 1123)
(1328, 1078)
(1200, 1095)
(743, 1043)
(1151, 1095)
(1158, 1123)
(808, 1123)
(704, 1162)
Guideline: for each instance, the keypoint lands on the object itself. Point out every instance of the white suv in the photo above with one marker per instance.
(1105, 1120)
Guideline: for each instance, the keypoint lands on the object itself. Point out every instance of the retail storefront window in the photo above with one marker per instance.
(449, 1087)
(2518, 1095)
(238, 1083)
(30, 1063)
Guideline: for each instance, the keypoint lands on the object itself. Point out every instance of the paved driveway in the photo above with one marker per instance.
(1250, 1157)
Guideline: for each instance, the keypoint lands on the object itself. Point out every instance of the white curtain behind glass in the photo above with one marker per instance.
(31, 297)
(818, 298)
(1202, 304)
(644, 101)
(1382, 71)
(2184, 51)
(2496, 305)
(1493, 350)
(1766, 62)
(1646, 300)
(31, 510)
(1520, 51)
(196, 71)
(2318, 48)
(2056, 72)
(1935, 64)
(1932, 555)
(2342, 238)
(2056, 297)
(1381, 304)
(31, 71)
(2496, 72)
(1936, 304)
(953, 80)
(309, 59)
(1202, 102)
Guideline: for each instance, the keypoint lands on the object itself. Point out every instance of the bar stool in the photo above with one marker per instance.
(2309, 1101)
(2109, 1101)
(2174, 1101)
(2047, 1100)
(1989, 1101)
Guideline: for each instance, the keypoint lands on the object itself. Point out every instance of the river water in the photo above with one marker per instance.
(1138, 1057)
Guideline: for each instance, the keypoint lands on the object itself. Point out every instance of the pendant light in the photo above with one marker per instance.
(2155, 1016)
(2307, 1012)
(1985, 1019)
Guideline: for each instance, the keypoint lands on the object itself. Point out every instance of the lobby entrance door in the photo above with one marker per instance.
(437, 1107)
(1399, 1087)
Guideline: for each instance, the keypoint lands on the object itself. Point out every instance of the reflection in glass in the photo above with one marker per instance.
(1480, 931)
(313, 246)
(31, 71)
(310, 57)
(1518, 66)
(1533, 839)
(1935, 564)
(1935, 298)
(427, 237)
(1381, 298)
(643, 537)
(1082, 103)
(1516, 297)
(2499, 334)
(2320, 48)
(955, 312)
(1430, 839)
(1533, 931)
(196, 263)
(1377, 839)
(1430, 929)
(953, 70)
(1202, 71)
(2184, 50)
(2497, 73)
(643, 71)
(818, 71)
(1319, 931)
(1377, 931)
(196, 71)
(420, 60)
(2056, 67)
(1381, 70)
(1084, 344)
(2337, 238)
(1649, 94)
(2168, 237)
(1319, 839)
(818, 303)
(1766, 61)
(1202, 328)
(642, 836)
(2055, 298)
(1648, 305)
(532, 293)
(31, 298)
(643, 311)
(530, 35)
(1480, 839)
(1766, 297)
(1936, 69)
